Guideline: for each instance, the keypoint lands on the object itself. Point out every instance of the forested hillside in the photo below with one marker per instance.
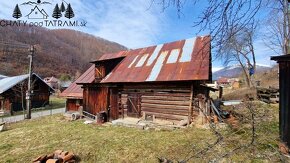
(57, 51)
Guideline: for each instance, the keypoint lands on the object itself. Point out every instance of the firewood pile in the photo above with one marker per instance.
(59, 156)
(268, 95)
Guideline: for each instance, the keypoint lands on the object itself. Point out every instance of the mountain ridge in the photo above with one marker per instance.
(236, 70)
(58, 51)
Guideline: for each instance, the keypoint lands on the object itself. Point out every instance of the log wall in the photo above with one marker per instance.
(95, 99)
(163, 101)
(73, 104)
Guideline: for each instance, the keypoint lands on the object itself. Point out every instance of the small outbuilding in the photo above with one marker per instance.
(52, 82)
(13, 93)
(74, 92)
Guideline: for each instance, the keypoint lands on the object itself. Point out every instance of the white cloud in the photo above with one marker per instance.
(128, 22)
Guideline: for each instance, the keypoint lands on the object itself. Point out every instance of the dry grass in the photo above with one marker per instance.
(239, 94)
(26, 140)
(269, 78)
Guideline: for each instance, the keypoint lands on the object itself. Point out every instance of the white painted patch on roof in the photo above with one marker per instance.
(173, 56)
(132, 63)
(107, 76)
(142, 60)
(9, 82)
(157, 67)
(154, 55)
(187, 50)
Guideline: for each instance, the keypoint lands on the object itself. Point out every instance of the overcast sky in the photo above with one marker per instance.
(132, 23)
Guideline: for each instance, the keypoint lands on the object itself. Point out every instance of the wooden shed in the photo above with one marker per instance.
(13, 91)
(74, 93)
(163, 81)
(284, 101)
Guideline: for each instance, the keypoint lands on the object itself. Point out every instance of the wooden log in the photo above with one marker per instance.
(54, 161)
(40, 158)
(68, 157)
(64, 153)
(50, 156)
(71, 161)
(164, 102)
(168, 98)
(58, 152)
(138, 90)
(173, 112)
(167, 116)
(164, 106)
(161, 94)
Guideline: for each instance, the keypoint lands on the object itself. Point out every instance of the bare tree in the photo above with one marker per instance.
(239, 48)
(277, 28)
(225, 19)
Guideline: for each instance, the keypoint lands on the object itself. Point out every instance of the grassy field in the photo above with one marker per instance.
(55, 103)
(92, 143)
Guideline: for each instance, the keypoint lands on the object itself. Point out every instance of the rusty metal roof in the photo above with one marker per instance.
(109, 56)
(74, 90)
(183, 60)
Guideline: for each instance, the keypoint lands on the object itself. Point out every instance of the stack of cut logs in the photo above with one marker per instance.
(58, 156)
(268, 95)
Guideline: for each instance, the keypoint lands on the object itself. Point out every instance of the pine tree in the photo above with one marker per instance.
(17, 13)
(62, 7)
(56, 12)
(69, 12)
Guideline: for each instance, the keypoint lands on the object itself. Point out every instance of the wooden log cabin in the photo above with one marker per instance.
(13, 91)
(162, 81)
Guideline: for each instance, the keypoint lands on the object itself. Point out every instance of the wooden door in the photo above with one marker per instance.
(133, 104)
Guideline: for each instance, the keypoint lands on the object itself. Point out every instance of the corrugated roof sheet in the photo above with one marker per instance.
(9, 82)
(3, 76)
(182, 60)
(74, 90)
(109, 56)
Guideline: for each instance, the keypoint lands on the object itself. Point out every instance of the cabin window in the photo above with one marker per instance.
(100, 72)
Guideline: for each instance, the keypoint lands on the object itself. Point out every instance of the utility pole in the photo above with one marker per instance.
(29, 90)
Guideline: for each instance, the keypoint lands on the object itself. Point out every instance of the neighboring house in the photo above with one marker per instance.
(222, 81)
(234, 83)
(52, 82)
(74, 93)
(13, 90)
(165, 81)
(64, 85)
(36, 13)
